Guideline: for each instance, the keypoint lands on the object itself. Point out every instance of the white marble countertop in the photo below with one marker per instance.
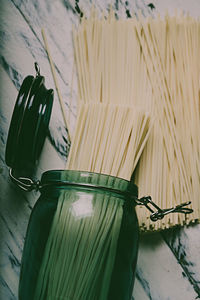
(169, 262)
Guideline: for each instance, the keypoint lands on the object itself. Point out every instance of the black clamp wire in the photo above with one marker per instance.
(37, 69)
(27, 184)
(160, 213)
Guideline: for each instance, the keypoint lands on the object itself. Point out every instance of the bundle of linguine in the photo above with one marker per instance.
(151, 65)
(138, 113)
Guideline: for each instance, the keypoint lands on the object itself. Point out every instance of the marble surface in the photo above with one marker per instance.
(169, 262)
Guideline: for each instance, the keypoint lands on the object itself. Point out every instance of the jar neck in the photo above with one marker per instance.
(82, 180)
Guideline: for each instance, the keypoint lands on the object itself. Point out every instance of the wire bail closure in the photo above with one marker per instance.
(159, 213)
(37, 69)
(28, 185)
(25, 183)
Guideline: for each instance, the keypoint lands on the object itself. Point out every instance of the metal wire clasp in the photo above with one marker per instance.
(25, 183)
(37, 69)
(28, 185)
(160, 213)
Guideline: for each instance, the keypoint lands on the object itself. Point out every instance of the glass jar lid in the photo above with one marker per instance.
(29, 123)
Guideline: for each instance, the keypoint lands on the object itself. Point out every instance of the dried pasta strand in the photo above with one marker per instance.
(56, 83)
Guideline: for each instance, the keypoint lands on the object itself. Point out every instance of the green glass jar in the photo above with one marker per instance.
(82, 239)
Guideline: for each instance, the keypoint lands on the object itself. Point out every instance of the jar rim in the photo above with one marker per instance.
(52, 173)
(89, 180)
